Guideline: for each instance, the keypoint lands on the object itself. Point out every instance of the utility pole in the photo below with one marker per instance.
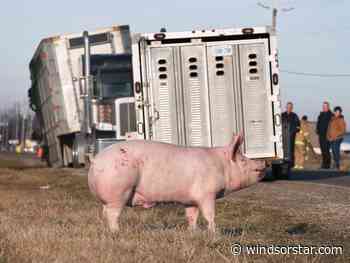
(274, 19)
(23, 137)
(275, 10)
(5, 122)
(24, 128)
(16, 121)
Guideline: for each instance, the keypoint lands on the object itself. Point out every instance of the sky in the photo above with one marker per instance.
(312, 38)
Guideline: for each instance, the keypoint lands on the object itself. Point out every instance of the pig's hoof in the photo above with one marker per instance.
(114, 236)
(192, 229)
(212, 233)
(114, 230)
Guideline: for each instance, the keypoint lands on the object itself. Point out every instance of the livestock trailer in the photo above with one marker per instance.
(196, 88)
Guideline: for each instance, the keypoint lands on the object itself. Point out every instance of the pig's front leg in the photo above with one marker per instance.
(112, 212)
(192, 213)
(207, 207)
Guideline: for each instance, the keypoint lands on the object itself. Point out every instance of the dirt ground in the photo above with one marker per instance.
(49, 215)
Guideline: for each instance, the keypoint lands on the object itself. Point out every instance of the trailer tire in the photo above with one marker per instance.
(281, 171)
(67, 155)
(78, 151)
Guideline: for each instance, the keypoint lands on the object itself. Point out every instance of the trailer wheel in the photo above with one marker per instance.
(281, 171)
(78, 151)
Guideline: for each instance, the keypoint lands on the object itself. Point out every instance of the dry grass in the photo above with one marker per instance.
(64, 223)
(346, 162)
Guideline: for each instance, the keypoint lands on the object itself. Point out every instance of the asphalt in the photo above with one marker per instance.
(322, 176)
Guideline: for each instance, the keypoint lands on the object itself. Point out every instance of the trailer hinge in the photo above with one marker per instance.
(143, 103)
(275, 139)
(272, 58)
(156, 43)
(273, 98)
(147, 104)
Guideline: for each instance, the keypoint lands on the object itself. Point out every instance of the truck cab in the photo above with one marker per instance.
(113, 113)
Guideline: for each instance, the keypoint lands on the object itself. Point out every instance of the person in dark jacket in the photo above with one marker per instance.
(291, 124)
(321, 129)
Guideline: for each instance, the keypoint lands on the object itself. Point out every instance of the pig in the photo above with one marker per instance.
(144, 173)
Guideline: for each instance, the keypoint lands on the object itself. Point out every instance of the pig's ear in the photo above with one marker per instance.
(236, 142)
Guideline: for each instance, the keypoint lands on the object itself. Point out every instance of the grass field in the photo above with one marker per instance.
(48, 215)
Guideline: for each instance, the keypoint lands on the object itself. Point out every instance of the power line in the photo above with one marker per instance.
(316, 74)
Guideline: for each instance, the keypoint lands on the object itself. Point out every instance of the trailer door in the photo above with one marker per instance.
(195, 95)
(201, 93)
(224, 93)
(163, 102)
(240, 95)
(256, 98)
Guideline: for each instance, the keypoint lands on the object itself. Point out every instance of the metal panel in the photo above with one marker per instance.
(140, 77)
(101, 144)
(257, 106)
(276, 97)
(163, 105)
(125, 117)
(223, 86)
(195, 95)
(71, 103)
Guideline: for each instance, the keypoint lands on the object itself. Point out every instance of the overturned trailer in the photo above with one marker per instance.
(82, 92)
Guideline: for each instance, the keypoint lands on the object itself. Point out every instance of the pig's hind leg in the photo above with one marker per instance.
(112, 211)
(207, 207)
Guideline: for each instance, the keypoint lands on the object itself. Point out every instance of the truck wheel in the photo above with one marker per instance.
(285, 171)
(67, 155)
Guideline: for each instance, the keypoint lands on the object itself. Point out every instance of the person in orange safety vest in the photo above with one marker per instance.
(302, 143)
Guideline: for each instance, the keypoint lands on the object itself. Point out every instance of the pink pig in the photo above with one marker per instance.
(144, 173)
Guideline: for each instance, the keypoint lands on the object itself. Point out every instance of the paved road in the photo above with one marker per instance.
(331, 177)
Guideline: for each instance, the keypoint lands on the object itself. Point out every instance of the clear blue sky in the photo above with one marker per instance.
(313, 38)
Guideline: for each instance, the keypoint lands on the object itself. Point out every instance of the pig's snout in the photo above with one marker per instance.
(260, 168)
(260, 165)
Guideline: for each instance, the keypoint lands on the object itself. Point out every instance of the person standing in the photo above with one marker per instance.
(321, 129)
(335, 134)
(302, 140)
(291, 124)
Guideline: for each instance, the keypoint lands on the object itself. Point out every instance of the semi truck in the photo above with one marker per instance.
(191, 88)
(82, 92)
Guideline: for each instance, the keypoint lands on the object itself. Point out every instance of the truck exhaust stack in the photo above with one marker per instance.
(87, 93)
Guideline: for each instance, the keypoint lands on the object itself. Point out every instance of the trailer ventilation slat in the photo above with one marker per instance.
(165, 132)
(196, 118)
